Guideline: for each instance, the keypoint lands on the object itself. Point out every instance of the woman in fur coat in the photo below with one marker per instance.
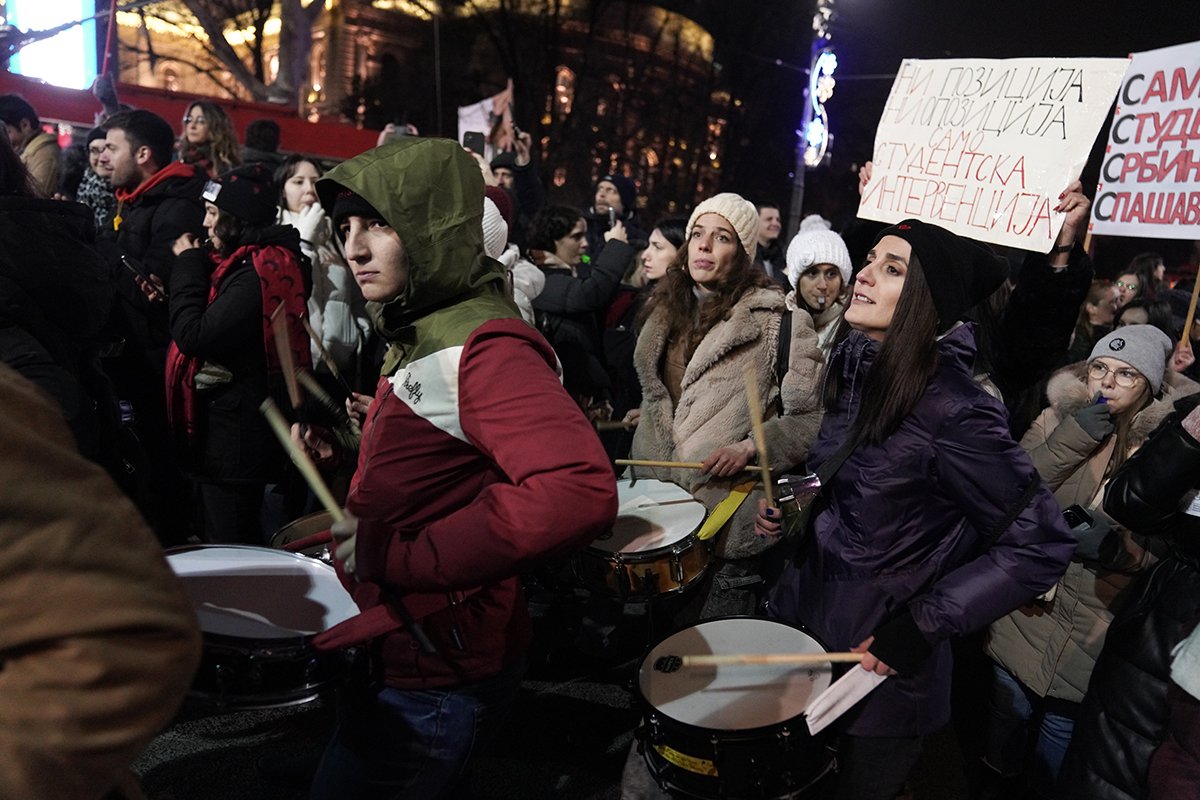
(1100, 412)
(712, 318)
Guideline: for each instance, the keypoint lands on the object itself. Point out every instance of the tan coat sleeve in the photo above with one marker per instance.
(97, 640)
(1057, 448)
(790, 435)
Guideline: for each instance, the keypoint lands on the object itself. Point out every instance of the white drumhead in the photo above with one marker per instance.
(260, 593)
(650, 514)
(734, 696)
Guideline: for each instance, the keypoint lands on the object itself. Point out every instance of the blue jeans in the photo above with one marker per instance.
(1014, 709)
(401, 744)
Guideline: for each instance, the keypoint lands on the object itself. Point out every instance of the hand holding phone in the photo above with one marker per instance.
(473, 141)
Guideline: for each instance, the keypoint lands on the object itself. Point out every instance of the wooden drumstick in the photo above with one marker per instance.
(300, 458)
(760, 439)
(326, 359)
(1191, 315)
(673, 663)
(644, 462)
(283, 347)
(614, 425)
(309, 470)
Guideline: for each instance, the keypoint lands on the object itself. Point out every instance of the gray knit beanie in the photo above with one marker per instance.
(1143, 347)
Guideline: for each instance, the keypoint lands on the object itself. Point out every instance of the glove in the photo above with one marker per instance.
(345, 534)
(1096, 421)
(1090, 539)
(311, 224)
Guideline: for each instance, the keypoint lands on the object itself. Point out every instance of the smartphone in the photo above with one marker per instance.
(1077, 517)
(473, 141)
(612, 217)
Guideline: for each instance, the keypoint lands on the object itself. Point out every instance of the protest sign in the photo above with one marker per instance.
(983, 147)
(1150, 177)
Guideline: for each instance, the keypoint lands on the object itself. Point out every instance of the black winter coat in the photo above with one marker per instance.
(235, 442)
(570, 313)
(54, 300)
(1125, 712)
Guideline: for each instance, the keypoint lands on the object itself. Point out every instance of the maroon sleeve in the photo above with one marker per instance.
(560, 493)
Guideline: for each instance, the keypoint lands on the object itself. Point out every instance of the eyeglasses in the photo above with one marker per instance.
(1133, 287)
(96, 150)
(197, 119)
(1123, 377)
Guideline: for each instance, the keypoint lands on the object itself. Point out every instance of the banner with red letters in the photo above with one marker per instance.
(1150, 176)
(983, 147)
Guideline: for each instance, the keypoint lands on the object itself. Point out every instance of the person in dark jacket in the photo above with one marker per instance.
(223, 361)
(1125, 712)
(936, 523)
(157, 202)
(615, 201)
(569, 308)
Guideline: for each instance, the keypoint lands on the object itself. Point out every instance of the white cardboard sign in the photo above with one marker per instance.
(983, 147)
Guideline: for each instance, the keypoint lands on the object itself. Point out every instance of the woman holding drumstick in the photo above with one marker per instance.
(712, 319)
(936, 522)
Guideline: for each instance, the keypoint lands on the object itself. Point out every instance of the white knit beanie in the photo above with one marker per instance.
(495, 229)
(816, 244)
(737, 211)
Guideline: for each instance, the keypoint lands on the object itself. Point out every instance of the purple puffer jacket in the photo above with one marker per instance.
(899, 552)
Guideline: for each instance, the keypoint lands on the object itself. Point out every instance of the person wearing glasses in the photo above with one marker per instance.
(1138, 281)
(209, 140)
(95, 188)
(1100, 412)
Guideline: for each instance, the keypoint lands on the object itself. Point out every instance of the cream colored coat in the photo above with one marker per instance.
(713, 412)
(1052, 647)
(97, 640)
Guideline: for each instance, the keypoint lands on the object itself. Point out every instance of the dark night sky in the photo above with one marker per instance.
(871, 37)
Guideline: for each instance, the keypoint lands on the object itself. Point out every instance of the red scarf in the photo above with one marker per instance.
(282, 282)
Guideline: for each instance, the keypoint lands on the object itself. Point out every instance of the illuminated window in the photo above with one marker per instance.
(564, 92)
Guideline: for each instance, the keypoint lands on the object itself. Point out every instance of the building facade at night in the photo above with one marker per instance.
(606, 85)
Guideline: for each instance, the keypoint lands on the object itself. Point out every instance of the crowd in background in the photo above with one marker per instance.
(144, 267)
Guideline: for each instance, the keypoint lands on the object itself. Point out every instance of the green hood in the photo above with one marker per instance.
(431, 192)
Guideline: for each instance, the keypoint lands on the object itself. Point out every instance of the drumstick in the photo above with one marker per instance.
(283, 347)
(1191, 315)
(673, 663)
(614, 425)
(760, 439)
(300, 458)
(318, 392)
(643, 462)
(326, 359)
(309, 470)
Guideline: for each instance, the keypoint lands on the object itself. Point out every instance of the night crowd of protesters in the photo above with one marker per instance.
(1009, 448)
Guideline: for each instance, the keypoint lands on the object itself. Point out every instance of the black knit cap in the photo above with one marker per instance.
(960, 273)
(246, 192)
(348, 204)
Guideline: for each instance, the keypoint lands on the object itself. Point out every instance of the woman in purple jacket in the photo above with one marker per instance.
(936, 523)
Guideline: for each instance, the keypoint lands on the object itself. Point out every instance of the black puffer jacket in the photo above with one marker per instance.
(54, 299)
(1124, 715)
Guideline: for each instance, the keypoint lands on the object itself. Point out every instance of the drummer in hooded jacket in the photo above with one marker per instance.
(463, 475)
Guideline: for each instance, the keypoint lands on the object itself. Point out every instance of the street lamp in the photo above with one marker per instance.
(813, 136)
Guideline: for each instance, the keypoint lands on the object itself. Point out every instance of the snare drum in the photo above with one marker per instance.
(652, 548)
(732, 731)
(302, 528)
(259, 610)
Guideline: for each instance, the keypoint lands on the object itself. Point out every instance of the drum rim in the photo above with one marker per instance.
(296, 639)
(726, 734)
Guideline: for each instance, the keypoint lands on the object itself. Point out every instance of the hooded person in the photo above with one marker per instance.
(223, 361)
(818, 266)
(462, 478)
(932, 521)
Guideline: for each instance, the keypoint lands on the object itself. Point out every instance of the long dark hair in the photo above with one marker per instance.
(231, 231)
(285, 171)
(14, 177)
(675, 292)
(900, 373)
